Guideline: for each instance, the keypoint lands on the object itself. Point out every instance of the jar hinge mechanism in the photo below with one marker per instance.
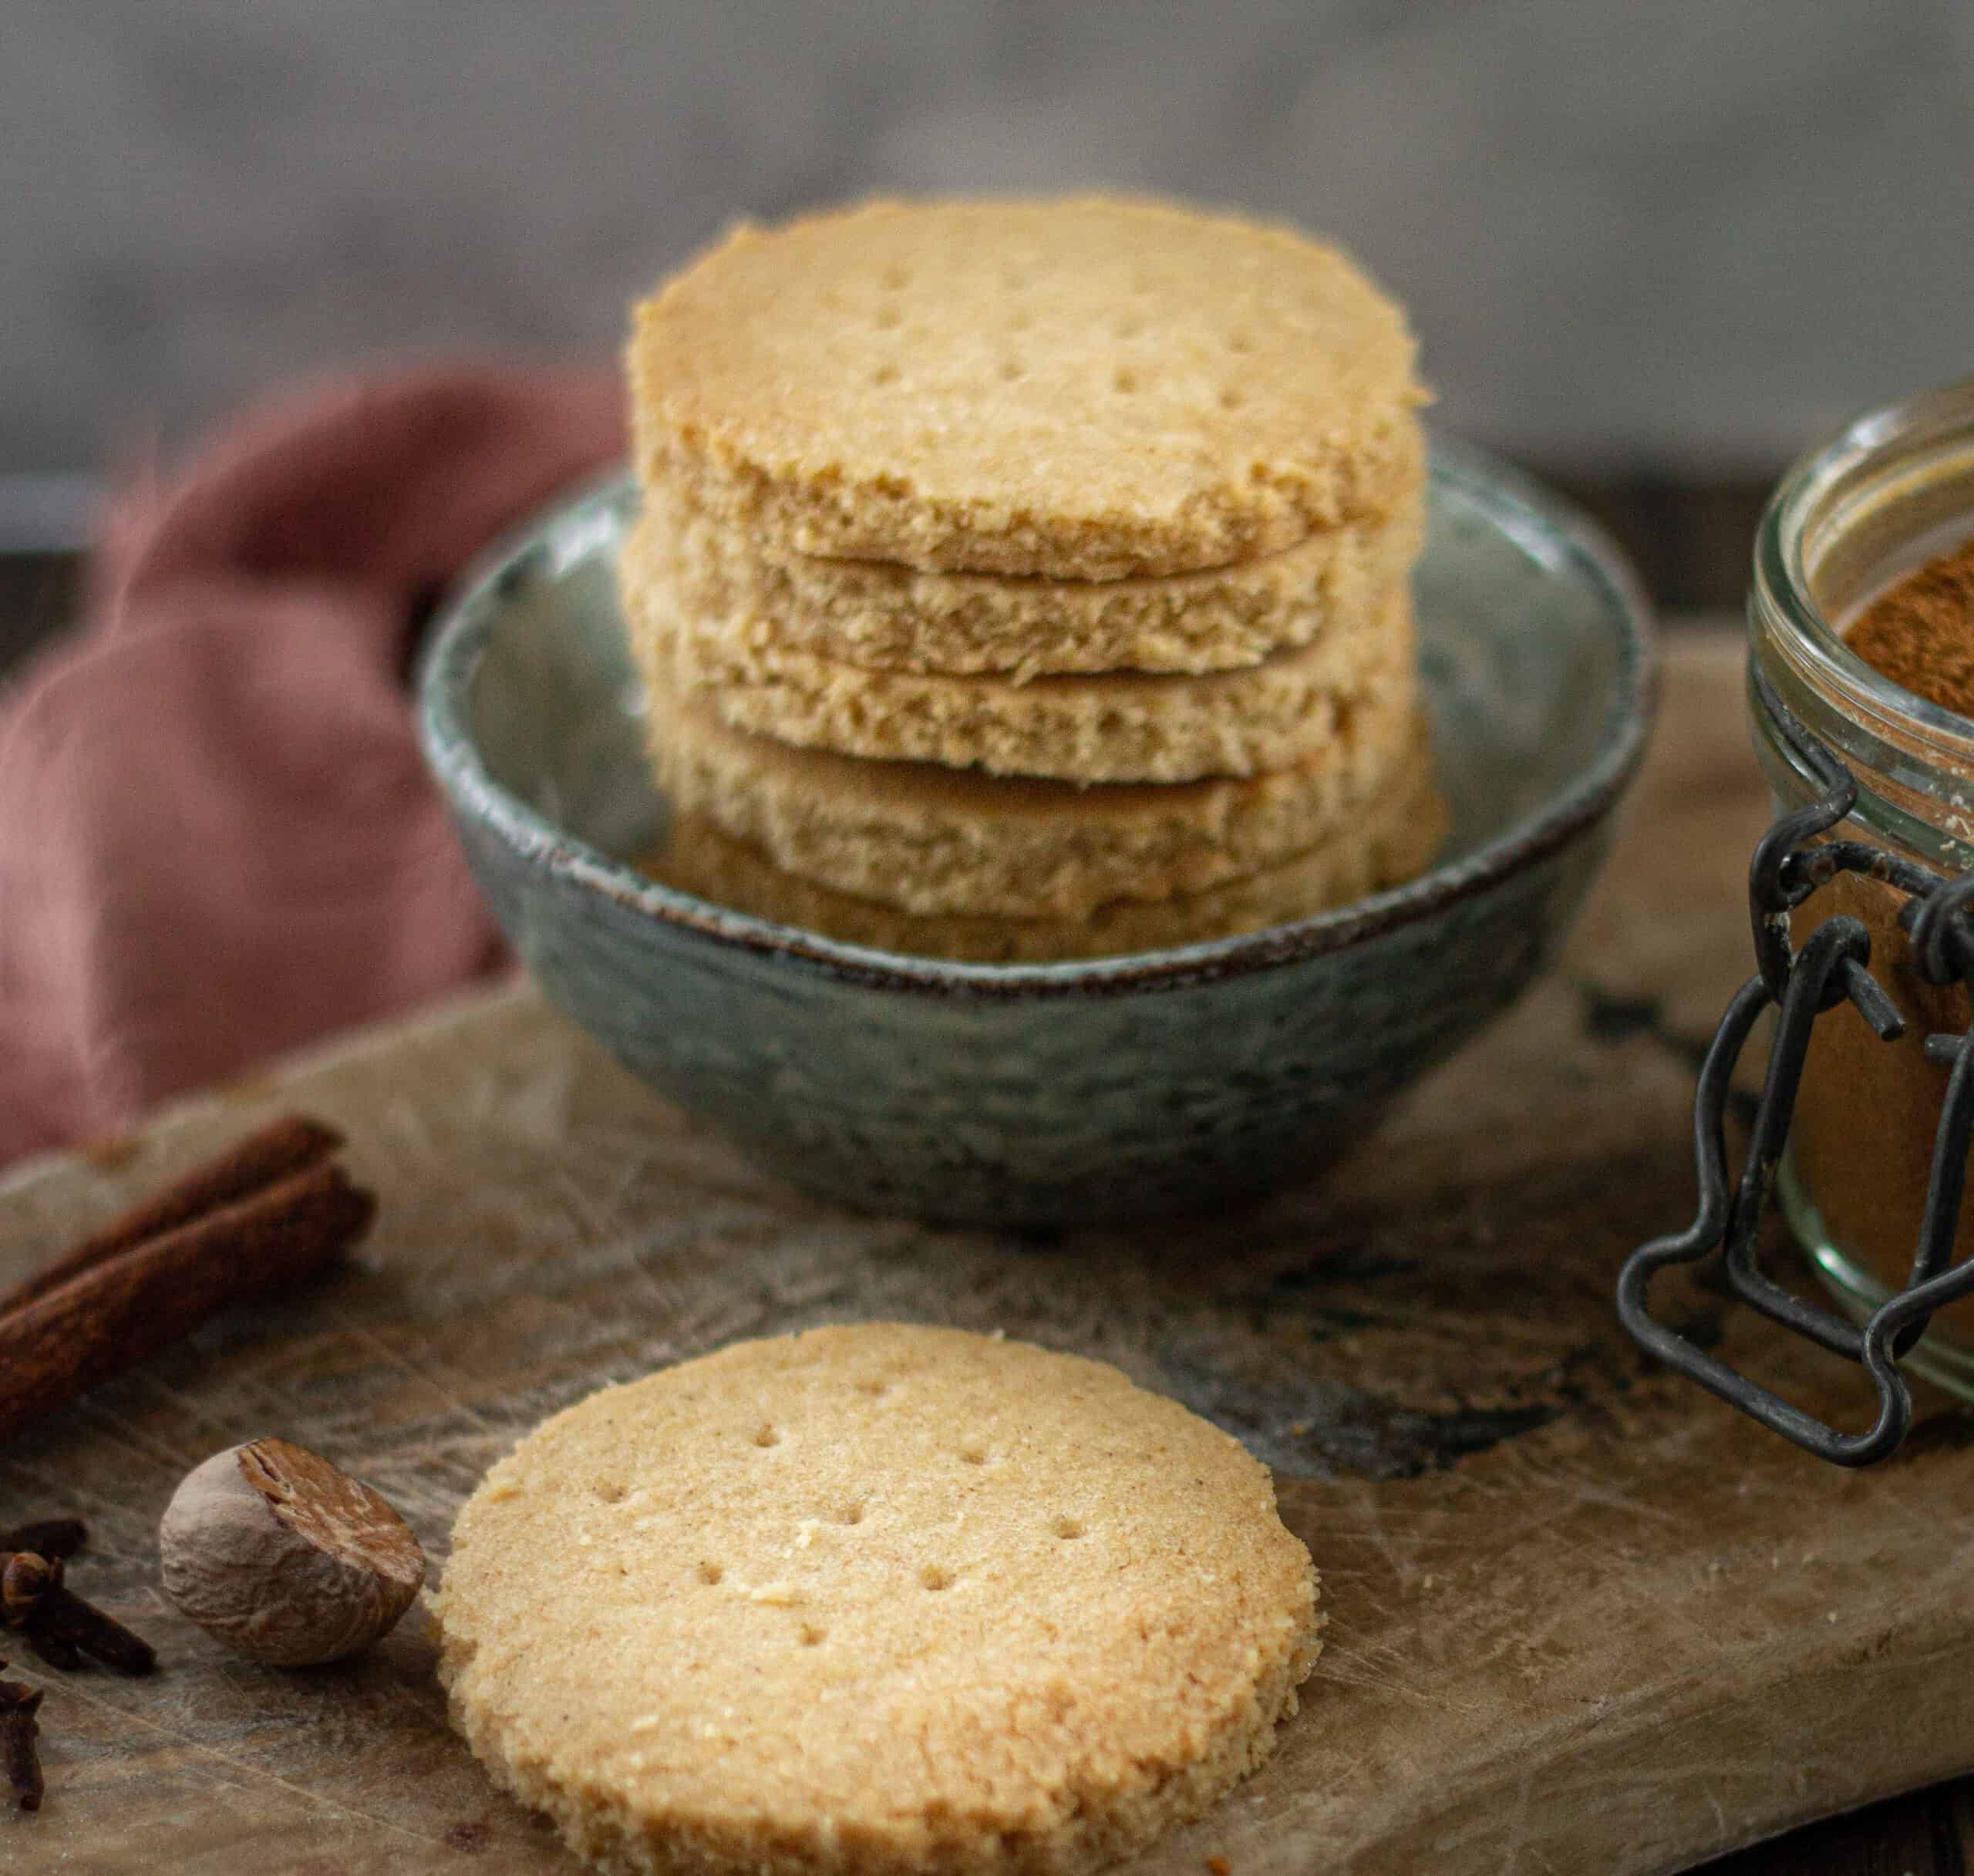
(1793, 860)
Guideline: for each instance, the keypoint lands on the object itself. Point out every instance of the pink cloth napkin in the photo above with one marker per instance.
(217, 838)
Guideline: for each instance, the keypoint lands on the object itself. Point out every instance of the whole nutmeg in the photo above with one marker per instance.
(285, 1558)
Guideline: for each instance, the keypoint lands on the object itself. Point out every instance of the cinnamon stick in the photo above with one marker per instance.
(291, 1144)
(121, 1309)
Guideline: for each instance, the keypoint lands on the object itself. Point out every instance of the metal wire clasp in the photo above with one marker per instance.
(1792, 861)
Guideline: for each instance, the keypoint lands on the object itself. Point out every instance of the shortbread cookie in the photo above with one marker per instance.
(1084, 389)
(877, 1599)
(927, 839)
(1126, 727)
(1396, 840)
(887, 617)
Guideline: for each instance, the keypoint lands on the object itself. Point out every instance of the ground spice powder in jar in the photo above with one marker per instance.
(1920, 633)
(1862, 1137)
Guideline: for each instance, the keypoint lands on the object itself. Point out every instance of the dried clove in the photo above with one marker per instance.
(64, 1616)
(52, 1537)
(19, 1758)
(59, 1626)
(54, 1650)
(25, 1578)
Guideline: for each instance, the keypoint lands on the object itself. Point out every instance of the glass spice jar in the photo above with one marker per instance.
(1894, 490)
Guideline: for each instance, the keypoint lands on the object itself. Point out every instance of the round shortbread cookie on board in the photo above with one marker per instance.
(887, 617)
(1085, 388)
(931, 840)
(1395, 841)
(874, 1598)
(1121, 726)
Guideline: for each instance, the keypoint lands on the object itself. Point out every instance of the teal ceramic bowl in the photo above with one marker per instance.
(1037, 1095)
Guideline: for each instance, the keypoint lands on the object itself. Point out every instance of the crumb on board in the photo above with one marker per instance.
(110, 1152)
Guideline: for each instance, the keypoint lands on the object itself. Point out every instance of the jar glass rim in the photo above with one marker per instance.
(1879, 440)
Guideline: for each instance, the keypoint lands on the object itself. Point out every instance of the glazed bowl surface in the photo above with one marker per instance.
(1020, 1095)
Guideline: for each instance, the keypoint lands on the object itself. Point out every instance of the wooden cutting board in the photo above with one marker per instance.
(1582, 1618)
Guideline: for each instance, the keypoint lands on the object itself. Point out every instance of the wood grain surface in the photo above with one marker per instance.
(1582, 1618)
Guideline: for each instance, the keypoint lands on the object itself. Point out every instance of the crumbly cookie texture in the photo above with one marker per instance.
(1396, 840)
(1085, 388)
(1124, 726)
(874, 1599)
(930, 839)
(887, 617)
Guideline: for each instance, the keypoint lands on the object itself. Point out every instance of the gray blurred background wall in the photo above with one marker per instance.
(1680, 236)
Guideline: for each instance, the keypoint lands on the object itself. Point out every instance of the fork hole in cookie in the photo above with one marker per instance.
(1012, 370)
(875, 1388)
(710, 1573)
(1231, 400)
(1068, 1529)
(851, 1513)
(611, 1491)
(895, 278)
(884, 374)
(810, 1636)
(973, 1453)
(935, 1576)
(1240, 343)
(1124, 380)
(768, 1434)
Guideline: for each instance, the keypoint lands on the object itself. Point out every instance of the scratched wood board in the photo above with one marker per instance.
(1581, 1617)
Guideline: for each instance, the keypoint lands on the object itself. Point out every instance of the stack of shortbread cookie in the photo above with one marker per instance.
(1028, 580)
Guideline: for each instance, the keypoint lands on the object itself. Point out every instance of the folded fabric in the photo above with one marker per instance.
(217, 839)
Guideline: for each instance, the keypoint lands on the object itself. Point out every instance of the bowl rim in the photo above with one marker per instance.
(1544, 524)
